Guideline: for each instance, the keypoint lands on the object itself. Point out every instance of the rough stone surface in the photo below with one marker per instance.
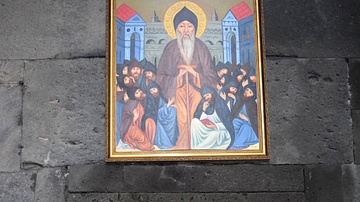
(312, 28)
(278, 197)
(18, 186)
(50, 185)
(354, 81)
(154, 178)
(64, 112)
(323, 183)
(11, 72)
(355, 114)
(48, 29)
(240, 178)
(220, 197)
(96, 178)
(85, 197)
(116, 178)
(162, 179)
(309, 111)
(351, 182)
(10, 127)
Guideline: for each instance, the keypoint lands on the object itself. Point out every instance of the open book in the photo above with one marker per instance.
(206, 121)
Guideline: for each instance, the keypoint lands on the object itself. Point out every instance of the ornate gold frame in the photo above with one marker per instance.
(186, 155)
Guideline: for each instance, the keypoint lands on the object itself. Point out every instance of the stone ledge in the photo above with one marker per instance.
(351, 182)
(173, 179)
(355, 115)
(201, 197)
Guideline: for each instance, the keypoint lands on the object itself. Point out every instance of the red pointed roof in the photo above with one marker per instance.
(241, 11)
(124, 12)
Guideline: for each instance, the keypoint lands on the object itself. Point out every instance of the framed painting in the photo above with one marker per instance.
(185, 81)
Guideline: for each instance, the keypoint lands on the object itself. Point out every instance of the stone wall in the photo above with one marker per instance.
(52, 111)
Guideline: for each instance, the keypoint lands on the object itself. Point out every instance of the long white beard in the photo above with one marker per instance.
(186, 46)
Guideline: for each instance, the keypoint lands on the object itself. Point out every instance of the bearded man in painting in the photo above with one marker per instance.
(184, 67)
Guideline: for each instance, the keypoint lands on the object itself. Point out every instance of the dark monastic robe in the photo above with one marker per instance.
(251, 108)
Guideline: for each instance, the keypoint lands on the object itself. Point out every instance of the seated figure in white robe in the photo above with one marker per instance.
(209, 127)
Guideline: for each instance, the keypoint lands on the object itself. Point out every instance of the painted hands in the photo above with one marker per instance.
(210, 125)
(223, 95)
(205, 105)
(244, 83)
(171, 101)
(187, 68)
(136, 116)
(243, 117)
(231, 95)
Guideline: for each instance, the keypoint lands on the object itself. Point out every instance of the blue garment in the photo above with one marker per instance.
(167, 131)
(244, 133)
(119, 108)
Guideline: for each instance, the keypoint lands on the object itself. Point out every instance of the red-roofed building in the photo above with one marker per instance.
(130, 34)
(241, 11)
(238, 35)
(124, 12)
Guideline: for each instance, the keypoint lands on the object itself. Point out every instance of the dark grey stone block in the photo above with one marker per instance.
(220, 197)
(323, 183)
(52, 29)
(180, 197)
(10, 127)
(244, 178)
(18, 186)
(312, 28)
(85, 197)
(355, 114)
(354, 81)
(154, 178)
(278, 197)
(309, 111)
(11, 72)
(50, 184)
(96, 178)
(117, 178)
(64, 112)
(351, 182)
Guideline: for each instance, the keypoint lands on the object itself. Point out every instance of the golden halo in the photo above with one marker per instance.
(175, 8)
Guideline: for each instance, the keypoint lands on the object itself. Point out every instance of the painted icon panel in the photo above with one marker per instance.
(185, 81)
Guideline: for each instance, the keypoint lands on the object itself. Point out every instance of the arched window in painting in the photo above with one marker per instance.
(135, 46)
(230, 48)
(150, 41)
(208, 42)
(233, 49)
(162, 41)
